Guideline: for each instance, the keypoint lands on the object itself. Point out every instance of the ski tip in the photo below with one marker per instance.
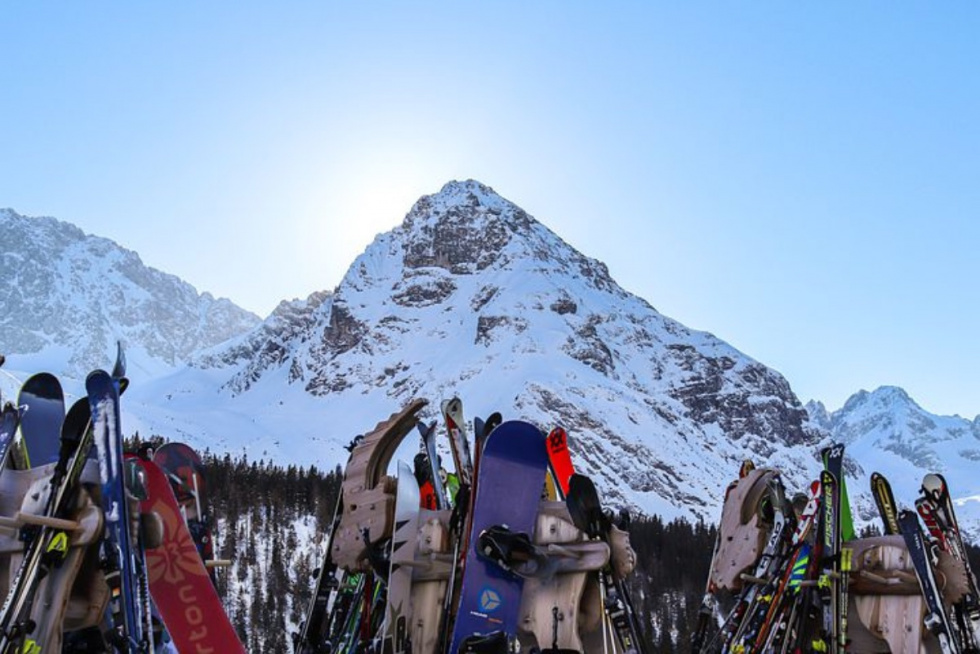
(119, 368)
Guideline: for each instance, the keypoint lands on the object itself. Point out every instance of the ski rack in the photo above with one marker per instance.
(369, 500)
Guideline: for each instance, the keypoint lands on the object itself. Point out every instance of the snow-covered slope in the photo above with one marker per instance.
(887, 432)
(67, 297)
(472, 296)
(468, 296)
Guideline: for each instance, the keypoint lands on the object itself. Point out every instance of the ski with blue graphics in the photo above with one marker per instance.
(923, 556)
(512, 464)
(42, 405)
(124, 565)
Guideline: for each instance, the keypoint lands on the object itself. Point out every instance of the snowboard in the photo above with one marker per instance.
(183, 466)
(179, 583)
(42, 404)
(510, 477)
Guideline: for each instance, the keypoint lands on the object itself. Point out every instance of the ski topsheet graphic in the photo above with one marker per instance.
(123, 561)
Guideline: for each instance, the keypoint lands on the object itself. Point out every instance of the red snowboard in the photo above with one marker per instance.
(179, 583)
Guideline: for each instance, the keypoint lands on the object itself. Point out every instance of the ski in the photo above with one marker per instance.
(559, 460)
(882, 492)
(9, 421)
(586, 512)
(923, 558)
(935, 507)
(398, 605)
(835, 555)
(435, 470)
(123, 564)
(46, 545)
(452, 412)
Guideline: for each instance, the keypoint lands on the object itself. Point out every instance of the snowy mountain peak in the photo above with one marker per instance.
(67, 297)
(887, 431)
(882, 399)
(467, 228)
(471, 296)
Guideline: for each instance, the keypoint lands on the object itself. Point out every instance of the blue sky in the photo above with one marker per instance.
(798, 180)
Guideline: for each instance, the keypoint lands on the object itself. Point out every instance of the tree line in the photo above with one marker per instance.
(272, 524)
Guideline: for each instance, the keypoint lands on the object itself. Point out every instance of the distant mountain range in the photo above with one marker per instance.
(471, 296)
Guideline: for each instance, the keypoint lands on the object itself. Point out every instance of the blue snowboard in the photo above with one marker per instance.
(509, 481)
(43, 405)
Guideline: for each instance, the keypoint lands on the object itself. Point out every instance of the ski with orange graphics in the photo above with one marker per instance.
(179, 583)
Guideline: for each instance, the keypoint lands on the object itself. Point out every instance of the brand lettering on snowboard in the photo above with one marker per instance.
(194, 617)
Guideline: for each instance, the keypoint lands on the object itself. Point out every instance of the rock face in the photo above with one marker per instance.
(471, 295)
(75, 295)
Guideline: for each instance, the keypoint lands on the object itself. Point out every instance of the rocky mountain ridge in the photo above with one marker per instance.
(886, 431)
(69, 297)
(471, 296)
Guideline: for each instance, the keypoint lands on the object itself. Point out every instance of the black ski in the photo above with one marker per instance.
(586, 512)
(123, 563)
(9, 420)
(935, 507)
(924, 558)
(311, 638)
(46, 545)
(882, 492)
